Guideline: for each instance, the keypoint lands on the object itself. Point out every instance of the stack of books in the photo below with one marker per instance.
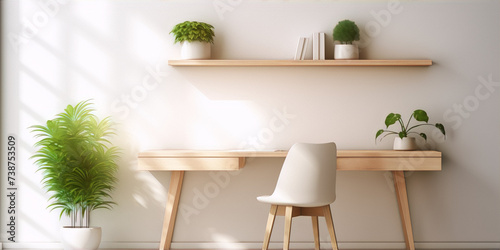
(317, 42)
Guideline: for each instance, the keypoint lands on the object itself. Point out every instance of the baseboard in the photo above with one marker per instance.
(273, 245)
(458, 245)
(342, 245)
(279, 245)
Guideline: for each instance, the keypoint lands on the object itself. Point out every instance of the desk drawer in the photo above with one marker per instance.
(190, 164)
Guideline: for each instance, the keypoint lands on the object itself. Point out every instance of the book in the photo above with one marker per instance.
(315, 46)
(305, 49)
(300, 49)
(318, 46)
(321, 46)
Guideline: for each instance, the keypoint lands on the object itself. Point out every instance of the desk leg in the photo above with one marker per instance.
(174, 193)
(404, 208)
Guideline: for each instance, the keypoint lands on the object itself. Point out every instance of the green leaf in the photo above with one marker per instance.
(441, 128)
(391, 119)
(402, 135)
(379, 133)
(423, 136)
(420, 115)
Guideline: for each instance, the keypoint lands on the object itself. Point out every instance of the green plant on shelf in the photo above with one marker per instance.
(405, 129)
(190, 31)
(346, 32)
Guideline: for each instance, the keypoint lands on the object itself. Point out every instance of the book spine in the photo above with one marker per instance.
(300, 49)
(304, 48)
(315, 44)
(321, 46)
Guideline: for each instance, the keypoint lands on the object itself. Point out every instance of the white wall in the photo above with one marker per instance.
(59, 53)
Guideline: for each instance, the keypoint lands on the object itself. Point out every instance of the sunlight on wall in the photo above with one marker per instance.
(101, 24)
(92, 63)
(222, 119)
(224, 241)
(184, 117)
(146, 43)
(153, 190)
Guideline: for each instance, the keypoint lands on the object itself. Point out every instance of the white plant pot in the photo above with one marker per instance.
(346, 51)
(81, 238)
(195, 50)
(407, 143)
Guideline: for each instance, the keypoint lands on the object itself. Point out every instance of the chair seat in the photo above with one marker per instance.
(284, 201)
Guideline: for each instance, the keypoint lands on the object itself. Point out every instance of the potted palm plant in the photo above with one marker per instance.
(346, 32)
(403, 141)
(78, 166)
(195, 38)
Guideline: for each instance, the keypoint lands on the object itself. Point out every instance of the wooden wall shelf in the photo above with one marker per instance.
(283, 63)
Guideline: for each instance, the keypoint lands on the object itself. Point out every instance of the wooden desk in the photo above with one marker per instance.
(179, 161)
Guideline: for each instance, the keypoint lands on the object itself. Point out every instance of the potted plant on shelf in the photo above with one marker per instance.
(346, 32)
(403, 142)
(78, 166)
(195, 38)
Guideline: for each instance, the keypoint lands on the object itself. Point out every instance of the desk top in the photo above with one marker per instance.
(172, 153)
(360, 160)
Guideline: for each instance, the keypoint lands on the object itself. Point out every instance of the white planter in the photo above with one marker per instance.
(195, 50)
(346, 51)
(81, 238)
(407, 143)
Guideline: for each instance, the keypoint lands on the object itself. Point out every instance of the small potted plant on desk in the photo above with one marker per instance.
(403, 142)
(346, 32)
(78, 166)
(195, 37)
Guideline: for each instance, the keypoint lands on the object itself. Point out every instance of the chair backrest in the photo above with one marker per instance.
(308, 175)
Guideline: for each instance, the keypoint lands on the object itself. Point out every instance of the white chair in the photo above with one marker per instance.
(306, 186)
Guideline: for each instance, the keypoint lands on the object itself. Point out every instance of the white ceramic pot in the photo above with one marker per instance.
(346, 51)
(81, 238)
(195, 50)
(407, 143)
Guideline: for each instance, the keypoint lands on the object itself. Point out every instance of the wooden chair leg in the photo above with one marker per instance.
(288, 227)
(329, 223)
(315, 231)
(269, 227)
